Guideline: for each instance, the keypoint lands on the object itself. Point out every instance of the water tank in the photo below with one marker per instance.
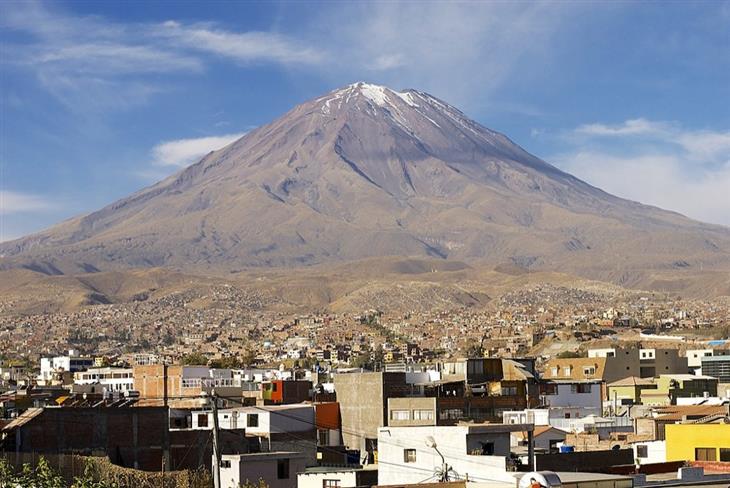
(548, 479)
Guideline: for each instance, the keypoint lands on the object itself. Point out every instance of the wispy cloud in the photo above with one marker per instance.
(243, 47)
(463, 51)
(631, 127)
(13, 202)
(182, 152)
(72, 55)
(655, 162)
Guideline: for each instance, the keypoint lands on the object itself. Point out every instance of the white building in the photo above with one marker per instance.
(71, 363)
(572, 399)
(650, 452)
(331, 477)
(110, 379)
(537, 416)
(694, 357)
(277, 469)
(264, 420)
(408, 455)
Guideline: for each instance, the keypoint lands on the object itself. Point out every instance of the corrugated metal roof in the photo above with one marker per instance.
(23, 419)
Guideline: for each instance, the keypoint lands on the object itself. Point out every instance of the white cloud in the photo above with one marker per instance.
(657, 163)
(12, 202)
(244, 47)
(631, 127)
(461, 51)
(83, 52)
(182, 152)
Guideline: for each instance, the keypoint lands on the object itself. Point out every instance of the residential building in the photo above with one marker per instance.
(363, 399)
(481, 453)
(333, 477)
(718, 367)
(110, 379)
(641, 362)
(546, 439)
(671, 387)
(628, 391)
(72, 363)
(276, 469)
(286, 391)
(698, 442)
(650, 452)
(185, 386)
(572, 398)
(695, 357)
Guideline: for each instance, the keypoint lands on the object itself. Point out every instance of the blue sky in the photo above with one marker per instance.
(99, 99)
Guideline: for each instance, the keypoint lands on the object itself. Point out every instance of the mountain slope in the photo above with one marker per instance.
(367, 171)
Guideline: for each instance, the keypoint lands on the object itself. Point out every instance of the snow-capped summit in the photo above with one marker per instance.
(364, 171)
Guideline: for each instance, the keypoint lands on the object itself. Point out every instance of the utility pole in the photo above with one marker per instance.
(216, 445)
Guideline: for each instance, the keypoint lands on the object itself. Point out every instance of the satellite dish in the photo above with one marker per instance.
(548, 479)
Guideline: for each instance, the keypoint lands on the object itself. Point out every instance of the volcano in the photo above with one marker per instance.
(365, 171)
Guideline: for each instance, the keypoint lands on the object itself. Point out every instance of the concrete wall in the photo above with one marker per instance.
(363, 404)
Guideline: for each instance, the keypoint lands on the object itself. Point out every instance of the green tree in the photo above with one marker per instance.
(46, 476)
(259, 484)
(569, 354)
(89, 479)
(195, 359)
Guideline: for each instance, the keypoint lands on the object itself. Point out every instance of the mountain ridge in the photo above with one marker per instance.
(365, 171)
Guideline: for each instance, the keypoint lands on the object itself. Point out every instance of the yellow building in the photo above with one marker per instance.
(698, 442)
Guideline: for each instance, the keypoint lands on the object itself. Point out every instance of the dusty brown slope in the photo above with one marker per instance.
(363, 172)
(388, 284)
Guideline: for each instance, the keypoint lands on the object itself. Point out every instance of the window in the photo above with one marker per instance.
(725, 454)
(705, 454)
(330, 483)
(567, 370)
(409, 455)
(589, 370)
(323, 437)
(225, 463)
(583, 388)
(548, 389)
(451, 414)
(611, 354)
(400, 415)
(567, 415)
(252, 420)
(642, 451)
(282, 469)
(509, 391)
(423, 415)
(487, 448)
(202, 420)
(554, 371)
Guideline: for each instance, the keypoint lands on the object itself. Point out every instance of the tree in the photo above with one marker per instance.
(88, 479)
(46, 477)
(259, 484)
(195, 359)
(226, 363)
(569, 354)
